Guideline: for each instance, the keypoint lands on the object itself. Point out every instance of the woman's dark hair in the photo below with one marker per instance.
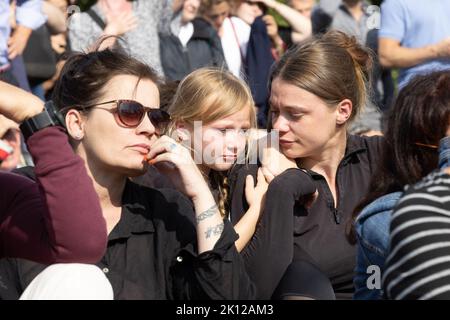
(85, 76)
(167, 92)
(421, 114)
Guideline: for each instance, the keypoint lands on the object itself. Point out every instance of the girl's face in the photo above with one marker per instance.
(305, 123)
(248, 12)
(218, 144)
(110, 146)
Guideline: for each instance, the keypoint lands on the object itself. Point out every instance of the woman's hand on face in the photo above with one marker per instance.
(275, 163)
(175, 161)
(255, 194)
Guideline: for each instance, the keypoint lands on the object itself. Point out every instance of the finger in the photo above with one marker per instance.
(12, 53)
(267, 174)
(249, 181)
(164, 157)
(261, 178)
(156, 150)
(131, 26)
(249, 188)
(130, 20)
(311, 199)
(162, 144)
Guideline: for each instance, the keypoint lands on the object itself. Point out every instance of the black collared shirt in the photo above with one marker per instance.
(318, 233)
(151, 254)
(320, 236)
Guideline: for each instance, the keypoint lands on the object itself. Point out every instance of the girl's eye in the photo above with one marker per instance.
(222, 131)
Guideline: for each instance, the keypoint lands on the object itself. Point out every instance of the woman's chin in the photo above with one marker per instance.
(136, 170)
(291, 153)
(222, 166)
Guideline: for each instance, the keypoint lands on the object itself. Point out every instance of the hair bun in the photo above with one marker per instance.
(361, 55)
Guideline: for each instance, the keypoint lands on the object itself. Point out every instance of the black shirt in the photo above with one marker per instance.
(318, 234)
(151, 254)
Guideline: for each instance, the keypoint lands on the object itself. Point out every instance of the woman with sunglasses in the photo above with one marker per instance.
(162, 244)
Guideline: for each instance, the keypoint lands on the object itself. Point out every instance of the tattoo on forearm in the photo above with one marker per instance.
(207, 214)
(215, 231)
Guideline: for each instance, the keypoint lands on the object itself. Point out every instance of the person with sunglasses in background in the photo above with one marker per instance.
(161, 244)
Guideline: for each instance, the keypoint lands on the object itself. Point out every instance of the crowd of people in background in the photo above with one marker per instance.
(127, 135)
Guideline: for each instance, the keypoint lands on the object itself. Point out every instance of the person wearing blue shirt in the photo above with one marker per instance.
(28, 17)
(415, 37)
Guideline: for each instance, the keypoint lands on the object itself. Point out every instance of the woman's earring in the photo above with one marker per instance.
(78, 136)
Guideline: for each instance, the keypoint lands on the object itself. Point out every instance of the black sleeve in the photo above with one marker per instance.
(217, 274)
(220, 274)
(16, 275)
(270, 251)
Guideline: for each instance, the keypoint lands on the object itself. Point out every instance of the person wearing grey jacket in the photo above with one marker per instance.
(190, 44)
(136, 22)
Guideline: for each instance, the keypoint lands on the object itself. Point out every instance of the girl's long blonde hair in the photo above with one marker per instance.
(208, 95)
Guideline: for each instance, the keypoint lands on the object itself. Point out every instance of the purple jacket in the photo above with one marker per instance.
(58, 218)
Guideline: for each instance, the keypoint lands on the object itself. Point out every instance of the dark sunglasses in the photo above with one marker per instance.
(130, 114)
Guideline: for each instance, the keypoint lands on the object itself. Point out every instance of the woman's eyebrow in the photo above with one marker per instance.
(296, 108)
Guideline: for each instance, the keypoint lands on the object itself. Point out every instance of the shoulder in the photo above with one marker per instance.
(372, 145)
(201, 23)
(389, 4)
(204, 30)
(341, 13)
(431, 195)
(378, 211)
(84, 17)
(372, 225)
